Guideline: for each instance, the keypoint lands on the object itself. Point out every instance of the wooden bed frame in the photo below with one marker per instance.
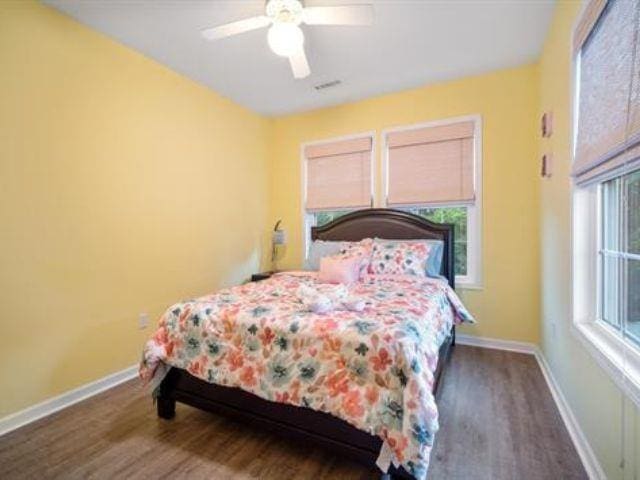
(304, 424)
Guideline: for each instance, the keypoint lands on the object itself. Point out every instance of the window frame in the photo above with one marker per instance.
(618, 356)
(473, 279)
(308, 217)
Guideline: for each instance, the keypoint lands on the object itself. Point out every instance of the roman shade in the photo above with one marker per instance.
(608, 113)
(588, 19)
(339, 175)
(431, 165)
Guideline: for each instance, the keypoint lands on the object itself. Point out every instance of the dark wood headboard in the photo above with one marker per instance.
(392, 225)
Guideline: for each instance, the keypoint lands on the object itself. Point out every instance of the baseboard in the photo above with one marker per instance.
(52, 405)
(496, 343)
(588, 457)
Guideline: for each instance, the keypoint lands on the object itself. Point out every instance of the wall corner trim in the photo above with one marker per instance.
(52, 405)
(588, 457)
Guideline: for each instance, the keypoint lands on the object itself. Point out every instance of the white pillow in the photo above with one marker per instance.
(319, 249)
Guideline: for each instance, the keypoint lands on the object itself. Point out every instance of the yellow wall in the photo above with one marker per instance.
(592, 395)
(507, 306)
(123, 187)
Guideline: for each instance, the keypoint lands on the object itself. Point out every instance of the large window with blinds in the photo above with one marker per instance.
(434, 170)
(337, 179)
(606, 179)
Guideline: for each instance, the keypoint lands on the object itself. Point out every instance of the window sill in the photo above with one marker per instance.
(468, 282)
(619, 360)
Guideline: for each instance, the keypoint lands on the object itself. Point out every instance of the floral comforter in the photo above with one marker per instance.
(373, 369)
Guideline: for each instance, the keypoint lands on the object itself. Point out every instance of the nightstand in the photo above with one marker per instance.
(256, 277)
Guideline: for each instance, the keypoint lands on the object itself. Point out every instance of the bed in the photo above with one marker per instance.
(289, 416)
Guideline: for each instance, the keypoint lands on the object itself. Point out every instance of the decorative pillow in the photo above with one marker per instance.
(361, 249)
(399, 258)
(340, 269)
(319, 249)
(434, 263)
(436, 251)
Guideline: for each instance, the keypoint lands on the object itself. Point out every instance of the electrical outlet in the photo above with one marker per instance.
(143, 320)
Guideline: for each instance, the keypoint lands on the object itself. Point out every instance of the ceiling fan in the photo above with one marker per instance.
(285, 37)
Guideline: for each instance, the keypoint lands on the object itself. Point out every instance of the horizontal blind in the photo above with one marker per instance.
(608, 126)
(431, 165)
(339, 175)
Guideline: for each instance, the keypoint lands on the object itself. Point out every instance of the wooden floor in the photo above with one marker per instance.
(498, 421)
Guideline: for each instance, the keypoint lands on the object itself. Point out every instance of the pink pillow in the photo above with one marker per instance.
(361, 249)
(340, 269)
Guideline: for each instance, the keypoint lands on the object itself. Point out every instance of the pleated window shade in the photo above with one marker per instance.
(339, 175)
(589, 17)
(431, 165)
(608, 127)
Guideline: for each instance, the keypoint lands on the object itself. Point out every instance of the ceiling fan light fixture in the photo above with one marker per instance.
(286, 11)
(285, 39)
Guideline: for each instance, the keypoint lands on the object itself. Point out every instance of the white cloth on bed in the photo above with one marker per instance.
(329, 298)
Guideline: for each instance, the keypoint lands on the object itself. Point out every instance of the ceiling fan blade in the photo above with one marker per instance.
(338, 15)
(299, 64)
(234, 28)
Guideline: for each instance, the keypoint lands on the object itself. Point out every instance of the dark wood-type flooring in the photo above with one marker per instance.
(498, 421)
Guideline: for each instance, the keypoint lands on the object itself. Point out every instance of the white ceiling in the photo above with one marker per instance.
(412, 43)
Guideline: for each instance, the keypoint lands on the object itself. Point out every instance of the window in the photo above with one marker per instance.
(619, 255)
(458, 216)
(322, 218)
(337, 179)
(606, 193)
(434, 171)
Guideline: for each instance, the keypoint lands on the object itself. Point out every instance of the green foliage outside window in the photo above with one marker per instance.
(633, 247)
(322, 218)
(620, 254)
(458, 217)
